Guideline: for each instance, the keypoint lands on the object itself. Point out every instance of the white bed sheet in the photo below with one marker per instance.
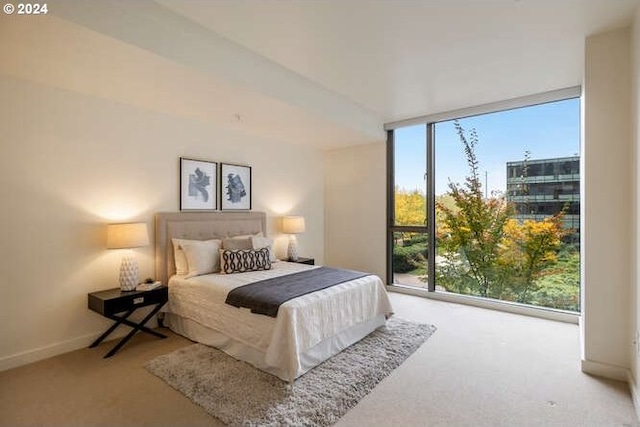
(301, 324)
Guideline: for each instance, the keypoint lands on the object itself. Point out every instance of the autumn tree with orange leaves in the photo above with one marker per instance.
(484, 251)
(527, 250)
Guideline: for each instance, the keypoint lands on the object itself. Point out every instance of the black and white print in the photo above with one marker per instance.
(198, 184)
(235, 187)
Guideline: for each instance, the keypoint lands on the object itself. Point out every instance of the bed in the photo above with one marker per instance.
(306, 331)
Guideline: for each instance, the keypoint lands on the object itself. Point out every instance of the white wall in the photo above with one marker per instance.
(355, 208)
(70, 163)
(606, 205)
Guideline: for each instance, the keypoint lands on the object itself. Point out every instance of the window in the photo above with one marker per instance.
(409, 231)
(488, 204)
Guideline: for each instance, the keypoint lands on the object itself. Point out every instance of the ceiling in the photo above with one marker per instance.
(405, 58)
(348, 66)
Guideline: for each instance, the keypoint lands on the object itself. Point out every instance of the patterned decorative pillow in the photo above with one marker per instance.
(240, 261)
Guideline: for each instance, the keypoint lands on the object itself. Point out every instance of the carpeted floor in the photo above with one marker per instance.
(238, 394)
(482, 368)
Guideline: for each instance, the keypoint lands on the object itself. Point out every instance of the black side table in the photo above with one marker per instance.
(113, 301)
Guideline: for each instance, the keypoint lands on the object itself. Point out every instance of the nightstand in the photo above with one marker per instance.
(113, 301)
(309, 261)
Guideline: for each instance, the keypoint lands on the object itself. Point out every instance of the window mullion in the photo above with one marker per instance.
(431, 209)
(390, 203)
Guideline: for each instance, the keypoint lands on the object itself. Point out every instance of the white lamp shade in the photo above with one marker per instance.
(127, 236)
(293, 224)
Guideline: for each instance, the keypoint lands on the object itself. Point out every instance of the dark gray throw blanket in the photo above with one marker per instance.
(266, 296)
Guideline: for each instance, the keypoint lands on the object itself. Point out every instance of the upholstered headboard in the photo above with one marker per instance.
(199, 226)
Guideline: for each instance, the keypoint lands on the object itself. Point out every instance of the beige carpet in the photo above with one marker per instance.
(240, 395)
(482, 368)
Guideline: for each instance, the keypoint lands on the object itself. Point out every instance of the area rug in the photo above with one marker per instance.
(240, 395)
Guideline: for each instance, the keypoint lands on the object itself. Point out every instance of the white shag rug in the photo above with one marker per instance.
(240, 395)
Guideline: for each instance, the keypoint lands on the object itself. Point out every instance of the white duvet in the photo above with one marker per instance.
(301, 323)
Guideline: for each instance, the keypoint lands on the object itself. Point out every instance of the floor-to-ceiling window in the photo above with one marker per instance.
(409, 231)
(487, 204)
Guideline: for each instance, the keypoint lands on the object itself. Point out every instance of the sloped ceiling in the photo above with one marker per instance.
(324, 73)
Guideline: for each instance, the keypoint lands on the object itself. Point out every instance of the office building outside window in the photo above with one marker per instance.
(541, 188)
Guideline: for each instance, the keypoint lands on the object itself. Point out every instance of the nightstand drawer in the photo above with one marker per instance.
(116, 301)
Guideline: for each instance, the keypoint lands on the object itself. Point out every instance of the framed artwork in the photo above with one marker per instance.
(235, 187)
(198, 185)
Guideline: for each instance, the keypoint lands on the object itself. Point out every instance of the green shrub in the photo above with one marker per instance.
(415, 239)
(408, 258)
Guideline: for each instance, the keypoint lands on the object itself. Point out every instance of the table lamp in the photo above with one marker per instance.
(128, 236)
(293, 225)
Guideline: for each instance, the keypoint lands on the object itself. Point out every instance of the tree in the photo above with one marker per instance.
(410, 207)
(486, 252)
(528, 249)
(475, 230)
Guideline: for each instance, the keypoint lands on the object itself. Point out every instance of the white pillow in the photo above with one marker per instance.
(201, 257)
(259, 242)
(178, 256)
(182, 267)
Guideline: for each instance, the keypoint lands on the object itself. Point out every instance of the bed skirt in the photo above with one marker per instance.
(310, 358)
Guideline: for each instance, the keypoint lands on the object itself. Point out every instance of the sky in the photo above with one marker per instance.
(546, 130)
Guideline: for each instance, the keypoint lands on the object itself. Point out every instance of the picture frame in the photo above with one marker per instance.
(198, 185)
(235, 187)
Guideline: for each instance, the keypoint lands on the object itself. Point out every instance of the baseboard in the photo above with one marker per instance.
(41, 353)
(51, 350)
(605, 370)
(633, 387)
(31, 356)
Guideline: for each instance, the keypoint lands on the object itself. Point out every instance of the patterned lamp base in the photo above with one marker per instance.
(292, 251)
(128, 273)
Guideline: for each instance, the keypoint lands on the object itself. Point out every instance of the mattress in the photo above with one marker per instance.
(302, 325)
